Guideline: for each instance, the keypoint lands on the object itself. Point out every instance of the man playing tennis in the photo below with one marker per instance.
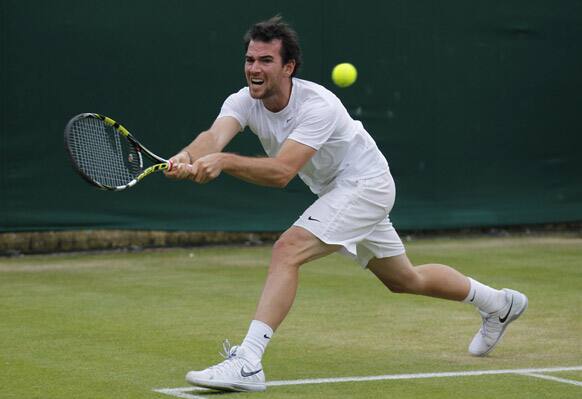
(306, 131)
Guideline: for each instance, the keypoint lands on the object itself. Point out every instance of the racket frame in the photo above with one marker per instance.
(162, 164)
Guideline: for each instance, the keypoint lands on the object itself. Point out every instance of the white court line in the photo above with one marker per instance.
(181, 392)
(184, 393)
(552, 378)
(421, 375)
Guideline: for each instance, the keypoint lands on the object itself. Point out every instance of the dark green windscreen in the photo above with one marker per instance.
(476, 106)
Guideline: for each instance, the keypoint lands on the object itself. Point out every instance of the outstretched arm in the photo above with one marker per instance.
(210, 141)
(274, 172)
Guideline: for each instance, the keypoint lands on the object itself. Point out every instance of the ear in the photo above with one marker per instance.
(289, 67)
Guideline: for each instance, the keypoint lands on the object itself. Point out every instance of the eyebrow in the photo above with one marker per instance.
(262, 57)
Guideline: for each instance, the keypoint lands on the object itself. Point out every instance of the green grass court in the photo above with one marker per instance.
(119, 325)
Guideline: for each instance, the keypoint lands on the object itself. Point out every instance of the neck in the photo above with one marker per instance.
(280, 100)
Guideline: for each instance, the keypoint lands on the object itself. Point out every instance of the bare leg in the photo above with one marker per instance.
(294, 248)
(440, 281)
(242, 370)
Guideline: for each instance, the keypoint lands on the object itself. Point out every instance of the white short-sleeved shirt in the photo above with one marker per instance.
(315, 117)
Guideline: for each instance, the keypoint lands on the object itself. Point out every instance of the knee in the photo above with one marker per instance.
(287, 251)
(285, 246)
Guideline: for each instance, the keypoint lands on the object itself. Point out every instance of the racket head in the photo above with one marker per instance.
(102, 152)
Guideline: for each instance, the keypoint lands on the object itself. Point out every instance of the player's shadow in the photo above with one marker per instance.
(203, 392)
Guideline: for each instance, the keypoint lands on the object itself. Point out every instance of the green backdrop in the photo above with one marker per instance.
(475, 104)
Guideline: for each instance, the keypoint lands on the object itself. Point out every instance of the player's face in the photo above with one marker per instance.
(266, 75)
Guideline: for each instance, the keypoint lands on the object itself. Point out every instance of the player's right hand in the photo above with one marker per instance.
(179, 169)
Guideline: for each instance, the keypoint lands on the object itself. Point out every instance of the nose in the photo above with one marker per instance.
(253, 67)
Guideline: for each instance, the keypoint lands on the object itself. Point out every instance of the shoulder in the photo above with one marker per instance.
(311, 93)
(314, 98)
(240, 101)
(307, 88)
(241, 95)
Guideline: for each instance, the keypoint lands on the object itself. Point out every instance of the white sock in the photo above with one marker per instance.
(484, 297)
(257, 338)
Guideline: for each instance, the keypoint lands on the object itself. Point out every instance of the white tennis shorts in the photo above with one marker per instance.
(354, 214)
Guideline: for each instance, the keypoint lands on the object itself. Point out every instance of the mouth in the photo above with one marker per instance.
(257, 81)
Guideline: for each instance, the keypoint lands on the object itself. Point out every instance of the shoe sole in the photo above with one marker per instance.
(227, 386)
(511, 318)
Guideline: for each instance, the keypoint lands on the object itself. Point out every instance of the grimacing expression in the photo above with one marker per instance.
(264, 69)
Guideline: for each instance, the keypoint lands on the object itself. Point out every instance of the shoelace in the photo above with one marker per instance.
(229, 354)
(228, 351)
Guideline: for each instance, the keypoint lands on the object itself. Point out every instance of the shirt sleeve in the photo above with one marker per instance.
(237, 105)
(317, 123)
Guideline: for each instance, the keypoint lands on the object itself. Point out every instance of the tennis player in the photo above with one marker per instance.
(305, 130)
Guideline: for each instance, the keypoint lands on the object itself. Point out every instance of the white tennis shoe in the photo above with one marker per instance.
(238, 372)
(494, 324)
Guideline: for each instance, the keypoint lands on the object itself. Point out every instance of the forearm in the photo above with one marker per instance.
(204, 144)
(261, 171)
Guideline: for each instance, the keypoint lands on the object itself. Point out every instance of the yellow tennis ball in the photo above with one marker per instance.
(344, 74)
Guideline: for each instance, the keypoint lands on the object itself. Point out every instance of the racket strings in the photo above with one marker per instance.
(103, 154)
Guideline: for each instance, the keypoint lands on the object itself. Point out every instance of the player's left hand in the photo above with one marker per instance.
(177, 172)
(206, 168)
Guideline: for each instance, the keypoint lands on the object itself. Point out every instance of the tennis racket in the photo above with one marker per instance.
(106, 155)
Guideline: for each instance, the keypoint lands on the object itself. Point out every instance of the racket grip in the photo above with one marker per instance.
(170, 166)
